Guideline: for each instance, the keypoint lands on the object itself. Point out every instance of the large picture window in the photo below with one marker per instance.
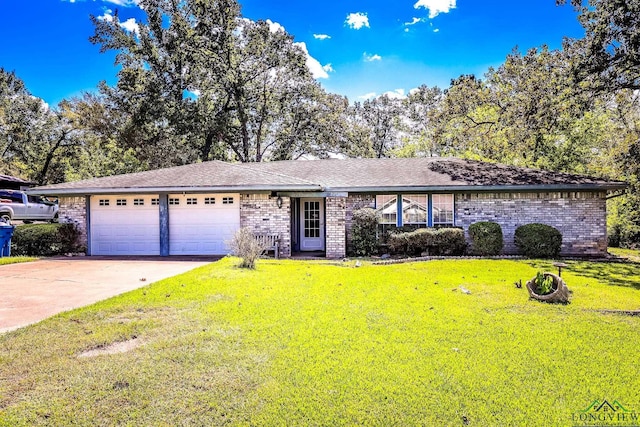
(387, 207)
(414, 209)
(442, 206)
(419, 210)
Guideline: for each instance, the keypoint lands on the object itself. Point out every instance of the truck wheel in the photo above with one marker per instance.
(5, 218)
(55, 219)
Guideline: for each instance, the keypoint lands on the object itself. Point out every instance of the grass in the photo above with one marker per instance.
(16, 259)
(312, 343)
(630, 254)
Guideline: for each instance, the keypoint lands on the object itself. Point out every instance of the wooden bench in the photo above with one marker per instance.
(271, 242)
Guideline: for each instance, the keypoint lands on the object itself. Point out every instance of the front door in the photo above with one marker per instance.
(312, 224)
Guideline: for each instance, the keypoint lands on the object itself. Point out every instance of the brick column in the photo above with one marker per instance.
(336, 214)
(354, 202)
(74, 210)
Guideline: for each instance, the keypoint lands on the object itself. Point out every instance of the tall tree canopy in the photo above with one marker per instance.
(199, 82)
(608, 56)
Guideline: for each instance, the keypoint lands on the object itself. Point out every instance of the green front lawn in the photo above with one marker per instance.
(316, 343)
(630, 254)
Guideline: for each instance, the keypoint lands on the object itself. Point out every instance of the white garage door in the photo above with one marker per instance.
(201, 224)
(125, 225)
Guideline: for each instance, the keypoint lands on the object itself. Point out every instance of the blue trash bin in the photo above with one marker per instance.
(6, 232)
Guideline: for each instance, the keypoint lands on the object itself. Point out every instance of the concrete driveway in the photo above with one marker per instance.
(33, 291)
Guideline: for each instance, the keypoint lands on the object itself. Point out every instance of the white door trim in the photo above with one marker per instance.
(312, 224)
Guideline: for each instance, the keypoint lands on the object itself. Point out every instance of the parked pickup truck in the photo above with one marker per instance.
(19, 206)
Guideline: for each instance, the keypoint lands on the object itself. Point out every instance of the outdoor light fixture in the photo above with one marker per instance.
(279, 202)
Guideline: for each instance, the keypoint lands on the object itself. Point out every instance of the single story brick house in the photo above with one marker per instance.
(195, 209)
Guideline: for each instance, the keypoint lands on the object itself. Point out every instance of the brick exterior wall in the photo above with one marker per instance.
(261, 213)
(356, 201)
(336, 214)
(74, 209)
(580, 217)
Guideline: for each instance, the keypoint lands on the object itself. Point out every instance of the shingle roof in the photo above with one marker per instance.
(383, 175)
(212, 176)
(13, 179)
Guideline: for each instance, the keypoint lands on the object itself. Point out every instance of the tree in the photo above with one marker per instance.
(417, 123)
(608, 57)
(32, 135)
(200, 82)
(379, 118)
(606, 62)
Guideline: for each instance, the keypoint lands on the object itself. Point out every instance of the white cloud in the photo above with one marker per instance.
(124, 3)
(107, 16)
(357, 20)
(274, 27)
(366, 96)
(371, 58)
(321, 36)
(317, 70)
(129, 25)
(414, 21)
(396, 94)
(328, 68)
(436, 7)
(436, 30)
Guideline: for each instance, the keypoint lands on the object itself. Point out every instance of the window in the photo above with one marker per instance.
(9, 196)
(155, 202)
(192, 201)
(414, 209)
(103, 202)
(227, 200)
(209, 200)
(174, 201)
(442, 209)
(311, 219)
(387, 208)
(121, 202)
(138, 202)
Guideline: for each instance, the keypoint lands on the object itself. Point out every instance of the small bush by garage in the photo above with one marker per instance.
(45, 240)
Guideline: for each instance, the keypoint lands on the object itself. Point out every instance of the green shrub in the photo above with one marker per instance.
(45, 240)
(443, 241)
(450, 241)
(486, 237)
(538, 240)
(364, 229)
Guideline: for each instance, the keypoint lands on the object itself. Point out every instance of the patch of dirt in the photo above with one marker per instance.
(114, 348)
(622, 312)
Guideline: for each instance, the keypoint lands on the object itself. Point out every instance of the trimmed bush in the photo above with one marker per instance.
(245, 246)
(538, 240)
(443, 241)
(486, 238)
(45, 240)
(364, 229)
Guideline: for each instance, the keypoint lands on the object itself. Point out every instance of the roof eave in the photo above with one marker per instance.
(609, 186)
(159, 190)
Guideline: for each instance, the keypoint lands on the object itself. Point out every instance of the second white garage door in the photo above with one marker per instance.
(201, 224)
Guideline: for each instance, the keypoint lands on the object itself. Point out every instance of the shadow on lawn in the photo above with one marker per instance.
(611, 273)
(616, 274)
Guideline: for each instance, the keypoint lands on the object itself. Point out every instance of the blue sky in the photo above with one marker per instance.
(359, 48)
